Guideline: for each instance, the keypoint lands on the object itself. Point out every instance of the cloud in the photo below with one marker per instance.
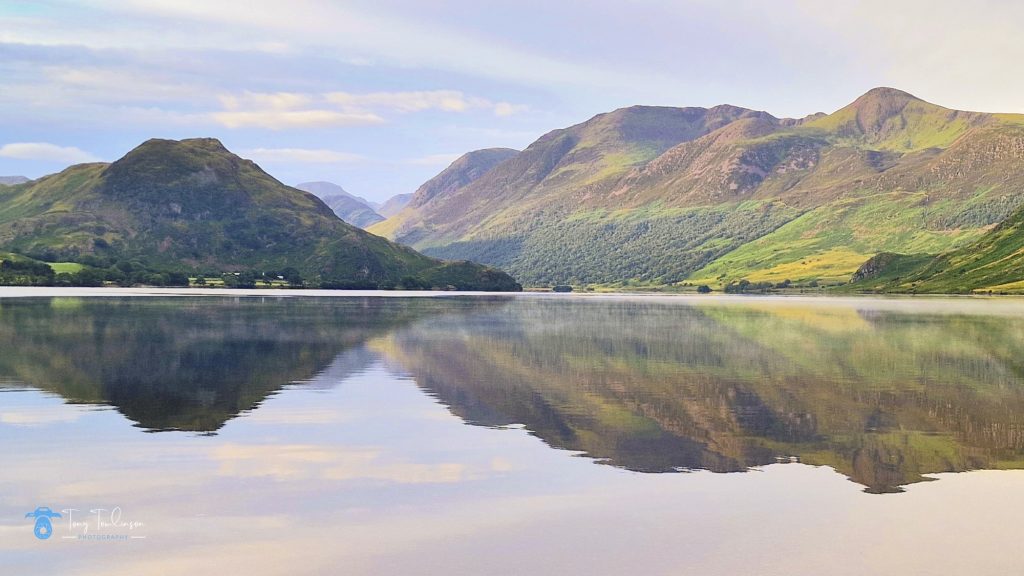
(283, 119)
(302, 155)
(507, 109)
(408, 38)
(435, 159)
(281, 110)
(46, 152)
(418, 101)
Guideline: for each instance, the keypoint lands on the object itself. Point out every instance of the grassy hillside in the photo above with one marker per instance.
(193, 206)
(666, 195)
(995, 263)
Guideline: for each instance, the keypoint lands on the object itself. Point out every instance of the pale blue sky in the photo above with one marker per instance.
(380, 95)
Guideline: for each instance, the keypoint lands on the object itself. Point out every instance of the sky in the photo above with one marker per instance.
(378, 96)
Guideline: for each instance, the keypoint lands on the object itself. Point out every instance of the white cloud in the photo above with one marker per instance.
(47, 152)
(444, 100)
(265, 101)
(119, 84)
(333, 29)
(283, 119)
(507, 109)
(302, 155)
(280, 110)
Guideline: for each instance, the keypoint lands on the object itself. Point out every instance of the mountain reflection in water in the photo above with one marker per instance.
(884, 396)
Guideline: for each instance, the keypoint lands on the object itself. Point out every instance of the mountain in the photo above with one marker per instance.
(326, 189)
(355, 210)
(655, 195)
(13, 180)
(394, 205)
(352, 211)
(467, 169)
(192, 205)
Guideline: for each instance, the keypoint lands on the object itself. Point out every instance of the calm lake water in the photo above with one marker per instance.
(511, 435)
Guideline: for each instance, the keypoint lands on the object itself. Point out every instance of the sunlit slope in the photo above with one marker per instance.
(995, 262)
(740, 194)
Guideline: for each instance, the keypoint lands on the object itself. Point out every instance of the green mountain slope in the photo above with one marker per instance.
(994, 263)
(665, 195)
(353, 209)
(194, 206)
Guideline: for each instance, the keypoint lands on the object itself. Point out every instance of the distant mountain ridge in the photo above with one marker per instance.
(192, 205)
(355, 210)
(654, 195)
(394, 205)
(13, 180)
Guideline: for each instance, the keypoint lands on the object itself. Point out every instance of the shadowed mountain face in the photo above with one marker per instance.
(655, 195)
(881, 396)
(192, 364)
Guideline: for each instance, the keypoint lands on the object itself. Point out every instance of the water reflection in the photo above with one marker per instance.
(193, 364)
(882, 396)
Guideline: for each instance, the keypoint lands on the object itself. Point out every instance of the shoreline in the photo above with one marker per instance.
(924, 303)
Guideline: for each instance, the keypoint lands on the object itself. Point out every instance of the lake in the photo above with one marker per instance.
(265, 433)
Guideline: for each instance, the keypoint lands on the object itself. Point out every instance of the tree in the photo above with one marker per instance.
(177, 279)
(413, 283)
(88, 277)
(292, 276)
(703, 289)
(246, 280)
